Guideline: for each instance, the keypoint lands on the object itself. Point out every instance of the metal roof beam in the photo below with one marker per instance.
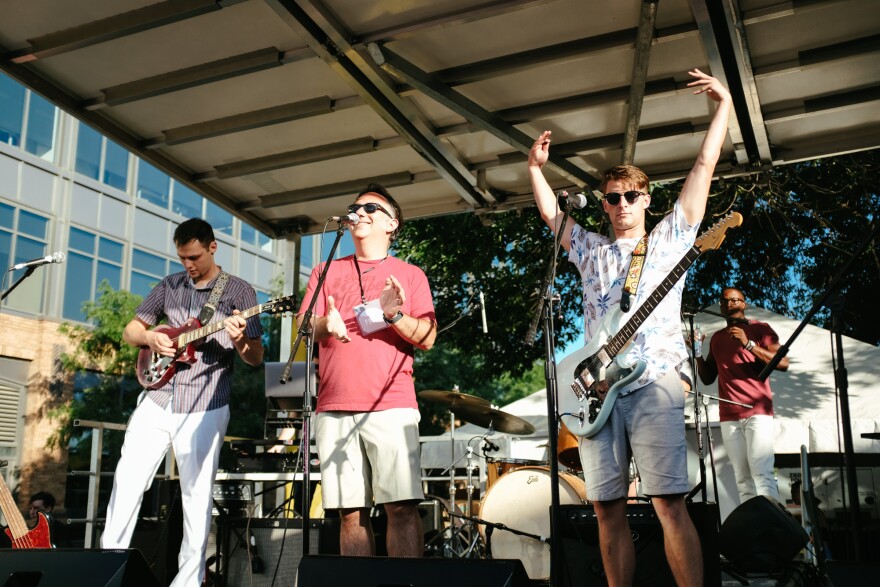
(250, 120)
(114, 27)
(333, 190)
(300, 157)
(724, 40)
(647, 18)
(189, 77)
(568, 51)
(334, 48)
(474, 113)
(450, 19)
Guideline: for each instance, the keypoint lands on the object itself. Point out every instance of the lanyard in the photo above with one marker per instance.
(360, 278)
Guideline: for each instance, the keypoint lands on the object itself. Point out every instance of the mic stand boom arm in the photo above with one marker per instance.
(304, 331)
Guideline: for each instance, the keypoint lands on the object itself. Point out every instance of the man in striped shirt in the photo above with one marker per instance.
(189, 413)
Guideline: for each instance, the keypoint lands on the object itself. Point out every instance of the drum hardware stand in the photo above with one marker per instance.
(491, 526)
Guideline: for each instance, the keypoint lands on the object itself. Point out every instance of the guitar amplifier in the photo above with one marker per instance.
(232, 496)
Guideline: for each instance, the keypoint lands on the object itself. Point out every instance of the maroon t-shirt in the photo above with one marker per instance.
(373, 372)
(738, 371)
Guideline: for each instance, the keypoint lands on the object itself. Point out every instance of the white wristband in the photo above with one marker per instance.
(750, 345)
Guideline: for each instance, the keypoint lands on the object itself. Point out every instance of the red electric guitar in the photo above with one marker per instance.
(154, 370)
(18, 532)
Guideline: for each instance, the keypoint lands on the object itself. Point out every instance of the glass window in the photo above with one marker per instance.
(5, 250)
(306, 246)
(82, 241)
(110, 273)
(219, 218)
(264, 242)
(7, 215)
(187, 203)
(115, 166)
(40, 128)
(153, 185)
(88, 152)
(111, 250)
(142, 284)
(30, 223)
(248, 234)
(11, 111)
(78, 285)
(147, 263)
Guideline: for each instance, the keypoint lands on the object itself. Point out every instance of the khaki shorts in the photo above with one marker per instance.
(369, 458)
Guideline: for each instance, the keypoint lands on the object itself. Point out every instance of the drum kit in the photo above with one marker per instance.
(514, 521)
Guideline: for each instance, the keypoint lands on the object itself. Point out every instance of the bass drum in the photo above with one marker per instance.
(521, 501)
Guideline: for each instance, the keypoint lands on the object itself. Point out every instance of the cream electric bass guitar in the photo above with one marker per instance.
(601, 364)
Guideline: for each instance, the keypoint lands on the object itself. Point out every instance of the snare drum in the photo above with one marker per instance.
(496, 468)
(521, 500)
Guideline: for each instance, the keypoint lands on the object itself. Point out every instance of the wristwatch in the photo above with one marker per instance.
(750, 345)
(393, 320)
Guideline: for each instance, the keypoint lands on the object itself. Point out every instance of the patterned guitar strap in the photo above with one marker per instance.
(211, 305)
(634, 274)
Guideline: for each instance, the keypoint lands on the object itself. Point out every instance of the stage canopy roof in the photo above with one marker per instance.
(281, 110)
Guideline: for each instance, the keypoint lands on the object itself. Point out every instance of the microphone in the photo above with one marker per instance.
(576, 201)
(350, 218)
(54, 258)
(483, 314)
(490, 446)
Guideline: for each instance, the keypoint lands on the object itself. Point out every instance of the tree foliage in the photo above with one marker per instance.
(802, 223)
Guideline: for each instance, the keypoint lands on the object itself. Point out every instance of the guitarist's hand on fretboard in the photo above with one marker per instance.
(159, 343)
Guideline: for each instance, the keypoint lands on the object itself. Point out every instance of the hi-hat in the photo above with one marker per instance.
(488, 416)
(453, 398)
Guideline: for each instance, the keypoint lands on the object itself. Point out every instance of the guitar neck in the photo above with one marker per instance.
(209, 329)
(619, 340)
(14, 519)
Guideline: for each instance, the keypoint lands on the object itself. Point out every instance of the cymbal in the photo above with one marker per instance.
(499, 420)
(453, 398)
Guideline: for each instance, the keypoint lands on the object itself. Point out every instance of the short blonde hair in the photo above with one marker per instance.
(625, 173)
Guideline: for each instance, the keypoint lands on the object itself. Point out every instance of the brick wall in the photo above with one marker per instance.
(40, 468)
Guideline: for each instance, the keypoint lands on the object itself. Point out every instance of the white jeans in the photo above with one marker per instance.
(749, 444)
(196, 439)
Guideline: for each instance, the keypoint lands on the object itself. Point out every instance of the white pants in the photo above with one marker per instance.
(749, 444)
(196, 439)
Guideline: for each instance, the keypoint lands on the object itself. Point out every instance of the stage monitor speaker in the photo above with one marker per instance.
(760, 535)
(336, 571)
(271, 540)
(75, 567)
(578, 532)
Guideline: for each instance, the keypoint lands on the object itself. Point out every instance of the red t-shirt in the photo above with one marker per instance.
(738, 371)
(373, 372)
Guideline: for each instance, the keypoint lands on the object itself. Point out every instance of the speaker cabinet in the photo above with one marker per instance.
(336, 571)
(761, 536)
(252, 548)
(578, 537)
(74, 567)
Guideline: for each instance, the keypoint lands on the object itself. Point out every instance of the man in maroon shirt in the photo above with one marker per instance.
(737, 355)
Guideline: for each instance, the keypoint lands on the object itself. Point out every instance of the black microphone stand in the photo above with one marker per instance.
(304, 332)
(545, 313)
(18, 281)
(840, 380)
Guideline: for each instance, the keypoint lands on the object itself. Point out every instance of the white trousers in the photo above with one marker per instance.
(196, 439)
(749, 444)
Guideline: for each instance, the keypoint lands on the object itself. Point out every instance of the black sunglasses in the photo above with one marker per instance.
(613, 198)
(369, 208)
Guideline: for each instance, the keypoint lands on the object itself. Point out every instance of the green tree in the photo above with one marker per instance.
(802, 222)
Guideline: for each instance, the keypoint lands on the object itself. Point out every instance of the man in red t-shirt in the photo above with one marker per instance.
(737, 355)
(372, 313)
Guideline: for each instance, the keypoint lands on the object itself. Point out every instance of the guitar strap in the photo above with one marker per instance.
(634, 274)
(211, 305)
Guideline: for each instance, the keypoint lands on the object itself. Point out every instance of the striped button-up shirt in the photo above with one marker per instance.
(206, 384)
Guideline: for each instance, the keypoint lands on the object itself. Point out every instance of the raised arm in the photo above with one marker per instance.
(544, 196)
(696, 187)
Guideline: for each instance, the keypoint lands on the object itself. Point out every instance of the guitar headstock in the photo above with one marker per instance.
(279, 306)
(714, 236)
